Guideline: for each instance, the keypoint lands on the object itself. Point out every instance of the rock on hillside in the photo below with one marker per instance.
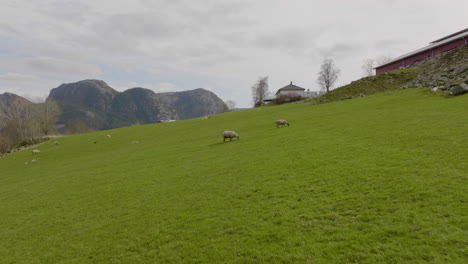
(84, 105)
(445, 72)
(194, 103)
(94, 94)
(139, 106)
(93, 105)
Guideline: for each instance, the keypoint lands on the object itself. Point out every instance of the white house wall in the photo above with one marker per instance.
(292, 93)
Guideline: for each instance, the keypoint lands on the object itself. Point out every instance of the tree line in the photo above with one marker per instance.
(21, 119)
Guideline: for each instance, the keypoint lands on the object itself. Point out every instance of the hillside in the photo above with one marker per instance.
(379, 179)
(384, 82)
(446, 72)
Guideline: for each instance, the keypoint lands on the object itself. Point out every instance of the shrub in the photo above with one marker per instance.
(286, 98)
(6, 144)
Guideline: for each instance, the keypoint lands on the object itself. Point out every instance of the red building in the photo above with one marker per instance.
(453, 41)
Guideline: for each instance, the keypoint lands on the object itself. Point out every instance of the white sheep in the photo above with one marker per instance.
(135, 142)
(281, 123)
(56, 143)
(36, 151)
(109, 136)
(230, 135)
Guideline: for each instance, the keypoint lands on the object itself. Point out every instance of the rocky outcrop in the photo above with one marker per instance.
(93, 94)
(447, 72)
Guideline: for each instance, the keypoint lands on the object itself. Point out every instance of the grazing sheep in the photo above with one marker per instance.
(35, 151)
(135, 141)
(109, 136)
(281, 123)
(33, 161)
(56, 143)
(230, 135)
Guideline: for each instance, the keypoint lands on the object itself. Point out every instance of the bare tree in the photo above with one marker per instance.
(368, 67)
(328, 74)
(46, 114)
(260, 91)
(382, 60)
(230, 104)
(18, 117)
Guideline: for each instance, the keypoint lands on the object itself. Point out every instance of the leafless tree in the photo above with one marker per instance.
(368, 67)
(328, 74)
(18, 118)
(260, 91)
(230, 104)
(47, 112)
(382, 60)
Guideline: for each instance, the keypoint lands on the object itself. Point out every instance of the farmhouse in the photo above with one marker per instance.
(452, 41)
(290, 90)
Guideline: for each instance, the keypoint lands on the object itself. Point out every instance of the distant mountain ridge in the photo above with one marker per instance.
(89, 105)
(98, 106)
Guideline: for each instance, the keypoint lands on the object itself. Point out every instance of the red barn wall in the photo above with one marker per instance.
(449, 46)
(422, 55)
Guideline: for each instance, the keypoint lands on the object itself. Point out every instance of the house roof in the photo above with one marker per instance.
(436, 43)
(290, 87)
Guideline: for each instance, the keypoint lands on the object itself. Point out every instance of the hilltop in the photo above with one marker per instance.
(378, 179)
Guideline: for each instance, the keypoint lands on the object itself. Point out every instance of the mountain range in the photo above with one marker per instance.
(93, 105)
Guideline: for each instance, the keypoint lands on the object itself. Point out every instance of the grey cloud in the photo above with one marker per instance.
(200, 55)
(340, 49)
(151, 25)
(385, 44)
(25, 84)
(17, 77)
(7, 30)
(71, 11)
(53, 65)
(293, 41)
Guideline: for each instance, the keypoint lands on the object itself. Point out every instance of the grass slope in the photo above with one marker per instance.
(379, 179)
(383, 82)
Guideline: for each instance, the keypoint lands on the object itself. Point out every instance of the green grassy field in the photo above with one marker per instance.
(379, 179)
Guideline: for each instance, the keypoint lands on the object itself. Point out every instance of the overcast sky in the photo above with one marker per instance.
(219, 45)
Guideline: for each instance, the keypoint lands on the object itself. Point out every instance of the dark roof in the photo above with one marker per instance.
(290, 87)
